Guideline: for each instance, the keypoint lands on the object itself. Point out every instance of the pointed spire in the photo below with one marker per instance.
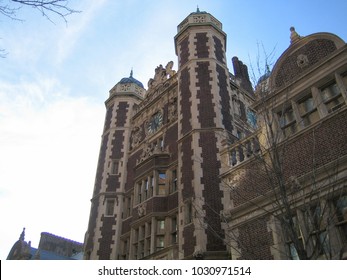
(294, 36)
(22, 235)
(197, 9)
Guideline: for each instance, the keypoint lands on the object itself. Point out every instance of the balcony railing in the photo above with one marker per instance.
(243, 150)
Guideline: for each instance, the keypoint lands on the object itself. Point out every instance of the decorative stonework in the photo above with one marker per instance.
(149, 150)
(125, 87)
(216, 22)
(294, 36)
(199, 19)
(302, 60)
(136, 136)
(141, 210)
(172, 109)
(161, 75)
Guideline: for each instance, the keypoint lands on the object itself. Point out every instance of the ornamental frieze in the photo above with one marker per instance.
(151, 149)
(136, 136)
(172, 109)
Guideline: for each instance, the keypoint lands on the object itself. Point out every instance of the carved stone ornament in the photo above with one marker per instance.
(302, 60)
(125, 87)
(136, 135)
(141, 210)
(151, 149)
(161, 75)
(294, 36)
(172, 110)
(199, 19)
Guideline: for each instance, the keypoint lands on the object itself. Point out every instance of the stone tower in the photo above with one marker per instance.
(107, 201)
(205, 117)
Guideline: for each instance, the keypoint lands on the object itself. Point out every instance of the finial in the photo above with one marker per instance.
(267, 68)
(131, 73)
(22, 235)
(294, 36)
(197, 9)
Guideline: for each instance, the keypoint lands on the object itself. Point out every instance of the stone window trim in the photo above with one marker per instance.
(322, 98)
(110, 207)
(114, 166)
(312, 221)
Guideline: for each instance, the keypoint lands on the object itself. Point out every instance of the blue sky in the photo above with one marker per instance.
(56, 77)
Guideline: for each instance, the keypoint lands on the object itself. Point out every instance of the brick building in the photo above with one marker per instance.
(289, 192)
(167, 151)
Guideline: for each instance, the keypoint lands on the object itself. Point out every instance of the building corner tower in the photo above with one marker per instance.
(107, 201)
(205, 116)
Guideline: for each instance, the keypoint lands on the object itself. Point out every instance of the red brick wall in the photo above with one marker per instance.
(314, 50)
(184, 51)
(105, 241)
(313, 149)
(202, 50)
(255, 240)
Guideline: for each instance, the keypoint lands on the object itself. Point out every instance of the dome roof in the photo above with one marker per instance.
(131, 80)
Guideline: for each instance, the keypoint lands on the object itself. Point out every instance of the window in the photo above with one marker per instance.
(151, 185)
(324, 244)
(160, 242)
(160, 234)
(307, 110)
(313, 217)
(341, 208)
(344, 79)
(161, 183)
(251, 118)
(160, 226)
(114, 167)
(239, 134)
(139, 192)
(125, 249)
(293, 254)
(136, 243)
(332, 97)
(127, 207)
(146, 194)
(174, 181)
(148, 246)
(232, 157)
(188, 213)
(287, 121)
(148, 238)
(174, 230)
(161, 140)
(341, 215)
(109, 207)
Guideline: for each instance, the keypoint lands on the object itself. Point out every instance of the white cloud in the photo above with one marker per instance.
(48, 145)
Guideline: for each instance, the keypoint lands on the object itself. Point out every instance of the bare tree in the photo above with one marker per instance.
(301, 200)
(47, 8)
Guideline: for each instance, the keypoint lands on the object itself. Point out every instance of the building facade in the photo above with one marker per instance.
(167, 152)
(289, 194)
